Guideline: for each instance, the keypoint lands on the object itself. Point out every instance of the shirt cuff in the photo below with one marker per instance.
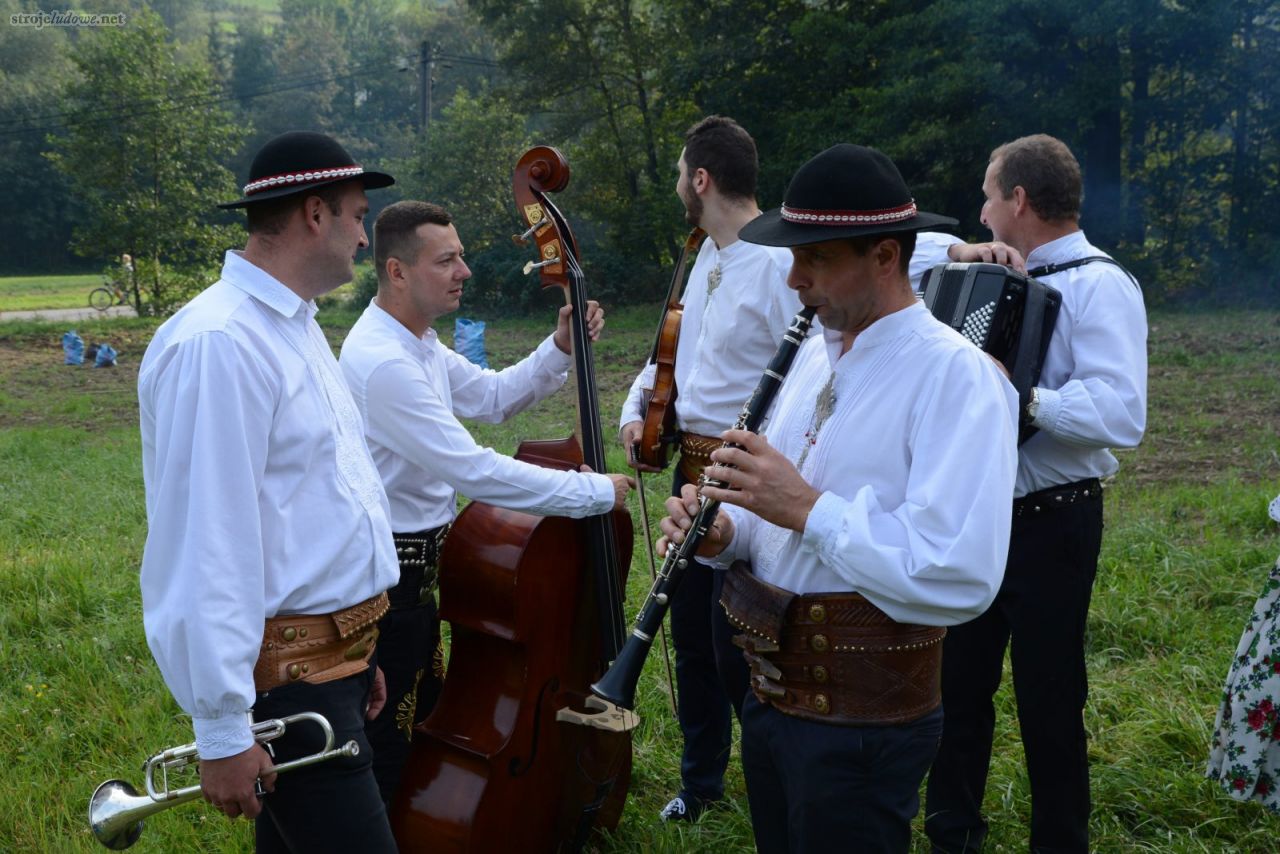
(824, 522)
(1050, 409)
(218, 738)
(602, 493)
(552, 356)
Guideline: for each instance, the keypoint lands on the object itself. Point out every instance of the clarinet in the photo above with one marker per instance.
(618, 684)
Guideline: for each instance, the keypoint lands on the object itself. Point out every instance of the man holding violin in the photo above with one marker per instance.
(736, 309)
(410, 390)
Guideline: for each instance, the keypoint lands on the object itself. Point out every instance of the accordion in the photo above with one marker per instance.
(1005, 313)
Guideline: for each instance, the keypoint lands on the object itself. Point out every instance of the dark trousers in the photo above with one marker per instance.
(815, 787)
(332, 805)
(411, 658)
(1040, 613)
(711, 677)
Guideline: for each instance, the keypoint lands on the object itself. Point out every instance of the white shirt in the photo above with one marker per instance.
(915, 464)
(727, 336)
(931, 250)
(261, 496)
(1093, 387)
(410, 391)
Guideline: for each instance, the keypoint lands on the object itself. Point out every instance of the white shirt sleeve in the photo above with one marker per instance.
(204, 607)
(408, 417)
(494, 396)
(632, 409)
(938, 557)
(1103, 405)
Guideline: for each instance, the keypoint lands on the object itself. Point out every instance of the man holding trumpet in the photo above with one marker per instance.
(269, 545)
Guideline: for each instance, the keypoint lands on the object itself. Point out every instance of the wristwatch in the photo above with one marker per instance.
(1033, 406)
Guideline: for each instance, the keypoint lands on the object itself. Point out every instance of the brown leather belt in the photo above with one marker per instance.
(318, 648)
(833, 657)
(695, 454)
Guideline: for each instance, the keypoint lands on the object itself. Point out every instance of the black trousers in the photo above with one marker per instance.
(1040, 613)
(332, 805)
(711, 677)
(815, 787)
(411, 657)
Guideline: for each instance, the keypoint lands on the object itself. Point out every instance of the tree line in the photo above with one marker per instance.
(120, 139)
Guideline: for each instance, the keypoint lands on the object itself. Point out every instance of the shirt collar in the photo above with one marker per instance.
(1066, 248)
(264, 287)
(891, 326)
(425, 344)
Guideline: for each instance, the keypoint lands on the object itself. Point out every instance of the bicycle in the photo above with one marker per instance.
(105, 296)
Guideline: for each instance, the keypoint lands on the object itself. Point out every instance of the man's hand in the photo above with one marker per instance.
(228, 783)
(595, 323)
(629, 436)
(990, 253)
(377, 695)
(621, 486)
(679, 519)
(762, 480)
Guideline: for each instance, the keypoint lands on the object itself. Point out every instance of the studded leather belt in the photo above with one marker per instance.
(833, 657)
(318, 648)
(695, 454)
(1057, 497)
(419, 555)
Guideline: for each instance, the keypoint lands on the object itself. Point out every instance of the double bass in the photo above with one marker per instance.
(517, 753)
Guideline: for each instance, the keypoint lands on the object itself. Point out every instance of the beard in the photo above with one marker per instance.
(692, 208)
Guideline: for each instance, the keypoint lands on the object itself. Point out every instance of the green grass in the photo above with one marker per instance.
(1187, 548)
(26, 293)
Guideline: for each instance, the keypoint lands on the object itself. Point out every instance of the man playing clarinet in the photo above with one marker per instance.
(873, 511)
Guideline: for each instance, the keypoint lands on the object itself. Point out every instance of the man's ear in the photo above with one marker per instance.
(311, 210)
(1021, 204)
(700, 180)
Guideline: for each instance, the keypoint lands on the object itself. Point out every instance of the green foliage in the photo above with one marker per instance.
(147, 177)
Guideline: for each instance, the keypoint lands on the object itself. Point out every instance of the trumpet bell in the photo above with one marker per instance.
(113, 814)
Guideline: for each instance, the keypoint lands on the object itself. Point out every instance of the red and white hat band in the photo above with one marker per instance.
(301, 178)
(825, 217)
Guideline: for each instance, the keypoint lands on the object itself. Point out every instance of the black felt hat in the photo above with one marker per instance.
(846, 191)
(299, 161)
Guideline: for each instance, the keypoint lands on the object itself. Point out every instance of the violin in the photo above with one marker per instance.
(517, 753)
(659, 436)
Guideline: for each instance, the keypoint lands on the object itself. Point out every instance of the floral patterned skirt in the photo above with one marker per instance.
(1245, 754)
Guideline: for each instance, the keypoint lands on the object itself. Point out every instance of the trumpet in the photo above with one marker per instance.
(116, 810)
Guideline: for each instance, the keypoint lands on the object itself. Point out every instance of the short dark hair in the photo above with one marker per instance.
(728, 153)
(906, 246)
(1047, 170)
(268, 218)
(393, 231)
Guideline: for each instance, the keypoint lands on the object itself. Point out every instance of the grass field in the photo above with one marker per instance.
(26, 293)
(1188, 546)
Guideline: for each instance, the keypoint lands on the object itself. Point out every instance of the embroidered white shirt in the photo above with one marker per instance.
(1093, 387)
(261, 495)
(916, 467)
(411, 391)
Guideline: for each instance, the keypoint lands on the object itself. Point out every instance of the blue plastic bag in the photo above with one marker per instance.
(105, 357)
(468, 339)
(73, 347)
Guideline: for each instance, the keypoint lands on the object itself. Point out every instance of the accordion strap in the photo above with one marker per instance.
(1050, 269)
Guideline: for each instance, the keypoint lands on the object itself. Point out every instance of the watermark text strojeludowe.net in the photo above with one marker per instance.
(67, 18)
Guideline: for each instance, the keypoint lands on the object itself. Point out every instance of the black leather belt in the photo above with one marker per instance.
(1057, 497)
(419, 555)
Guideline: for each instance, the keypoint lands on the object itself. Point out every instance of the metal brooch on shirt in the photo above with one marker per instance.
(713, 280)
(823, 406)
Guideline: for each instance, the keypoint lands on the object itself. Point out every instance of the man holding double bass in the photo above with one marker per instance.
(736, 309)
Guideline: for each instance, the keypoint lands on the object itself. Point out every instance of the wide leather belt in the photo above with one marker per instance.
(419, 555)
(695, 454)
(318, 648)
(833, 657)
(1057, 497)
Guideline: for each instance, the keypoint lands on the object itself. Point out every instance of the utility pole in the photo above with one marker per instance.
(426, 65)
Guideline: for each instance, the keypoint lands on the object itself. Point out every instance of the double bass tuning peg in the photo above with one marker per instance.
(531, 266)
(523, 239)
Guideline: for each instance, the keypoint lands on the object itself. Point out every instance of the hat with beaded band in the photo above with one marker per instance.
(298, 161)
(846, 191)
